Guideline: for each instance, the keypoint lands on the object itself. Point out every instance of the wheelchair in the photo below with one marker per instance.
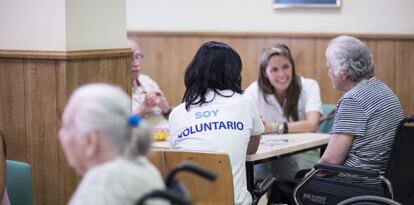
(398, 181)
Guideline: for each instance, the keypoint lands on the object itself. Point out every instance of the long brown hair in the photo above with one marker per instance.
(290, 110)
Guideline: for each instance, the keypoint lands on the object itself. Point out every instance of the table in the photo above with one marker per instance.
(274, 146)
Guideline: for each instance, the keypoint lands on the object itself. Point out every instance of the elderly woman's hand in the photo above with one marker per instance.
(158, 99)
(153, 99)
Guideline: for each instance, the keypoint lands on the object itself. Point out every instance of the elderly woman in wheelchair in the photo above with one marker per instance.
(366, 119)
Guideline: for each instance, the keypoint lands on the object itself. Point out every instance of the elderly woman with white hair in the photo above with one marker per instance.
(366, 116)
(104, 143)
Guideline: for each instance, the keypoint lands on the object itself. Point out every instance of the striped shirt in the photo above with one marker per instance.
(370, 112)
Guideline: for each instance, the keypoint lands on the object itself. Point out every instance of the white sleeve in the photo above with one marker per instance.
(172, 128)
(257, 123)
(313, 96)
(252, 91)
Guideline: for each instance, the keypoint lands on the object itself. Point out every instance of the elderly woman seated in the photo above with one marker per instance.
(104, 143)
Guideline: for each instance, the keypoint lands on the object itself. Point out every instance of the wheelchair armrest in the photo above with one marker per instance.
(261, 188)
(409, 119)
(342, 168)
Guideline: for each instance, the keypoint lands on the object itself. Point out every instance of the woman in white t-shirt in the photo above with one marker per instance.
(215, 114)
(287, 103)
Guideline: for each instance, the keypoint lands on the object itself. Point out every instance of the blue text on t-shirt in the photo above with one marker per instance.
(209, 126)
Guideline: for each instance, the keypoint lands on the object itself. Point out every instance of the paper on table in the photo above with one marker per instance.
(274, 142)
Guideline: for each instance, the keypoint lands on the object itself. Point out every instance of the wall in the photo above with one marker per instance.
(62, 25)
(95, 24)
(355, 16)
(25, 24)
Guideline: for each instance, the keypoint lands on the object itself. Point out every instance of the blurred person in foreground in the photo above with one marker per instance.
(106, 145)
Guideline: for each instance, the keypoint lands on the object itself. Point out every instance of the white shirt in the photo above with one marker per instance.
(309, 100)
(154, 117)
(222, 125)
(147, 85)
(120, 181)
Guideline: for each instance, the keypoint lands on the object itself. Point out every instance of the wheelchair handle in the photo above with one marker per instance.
(351, 170)
(409, 119)
(265, 185)
(186, 166)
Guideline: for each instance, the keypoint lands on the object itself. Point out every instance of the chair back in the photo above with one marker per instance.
(201, 190)
(400, 167)
(19, 183)
(326, 123)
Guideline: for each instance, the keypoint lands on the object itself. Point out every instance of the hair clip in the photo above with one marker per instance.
(133, 120)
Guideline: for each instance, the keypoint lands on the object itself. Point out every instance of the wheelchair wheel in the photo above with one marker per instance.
(368, 200)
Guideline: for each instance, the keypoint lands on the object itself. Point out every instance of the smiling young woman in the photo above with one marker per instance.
(287, 103)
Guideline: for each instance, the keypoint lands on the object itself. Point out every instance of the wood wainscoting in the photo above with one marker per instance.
(167, 55)
(35, 86)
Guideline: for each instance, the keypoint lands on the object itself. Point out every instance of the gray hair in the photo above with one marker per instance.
(350, 56)
(106, 109)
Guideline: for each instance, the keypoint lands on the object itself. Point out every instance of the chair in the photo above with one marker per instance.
(201, 191)
(398, 179)
(176, 193)
(325, 124)
(19, 183)
(166, 195)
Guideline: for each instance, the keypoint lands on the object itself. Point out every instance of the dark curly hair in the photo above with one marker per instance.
(216, 66)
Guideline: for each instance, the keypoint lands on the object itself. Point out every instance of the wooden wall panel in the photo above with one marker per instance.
(34, 90)
(68, 179)
(405, 74)
(384, 59)
(12, 98)
(303, 51)
(250, 54)
(41, 119)
(175, 50)
(328, 94)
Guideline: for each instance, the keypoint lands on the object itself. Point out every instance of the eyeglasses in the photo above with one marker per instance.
(138, 56)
